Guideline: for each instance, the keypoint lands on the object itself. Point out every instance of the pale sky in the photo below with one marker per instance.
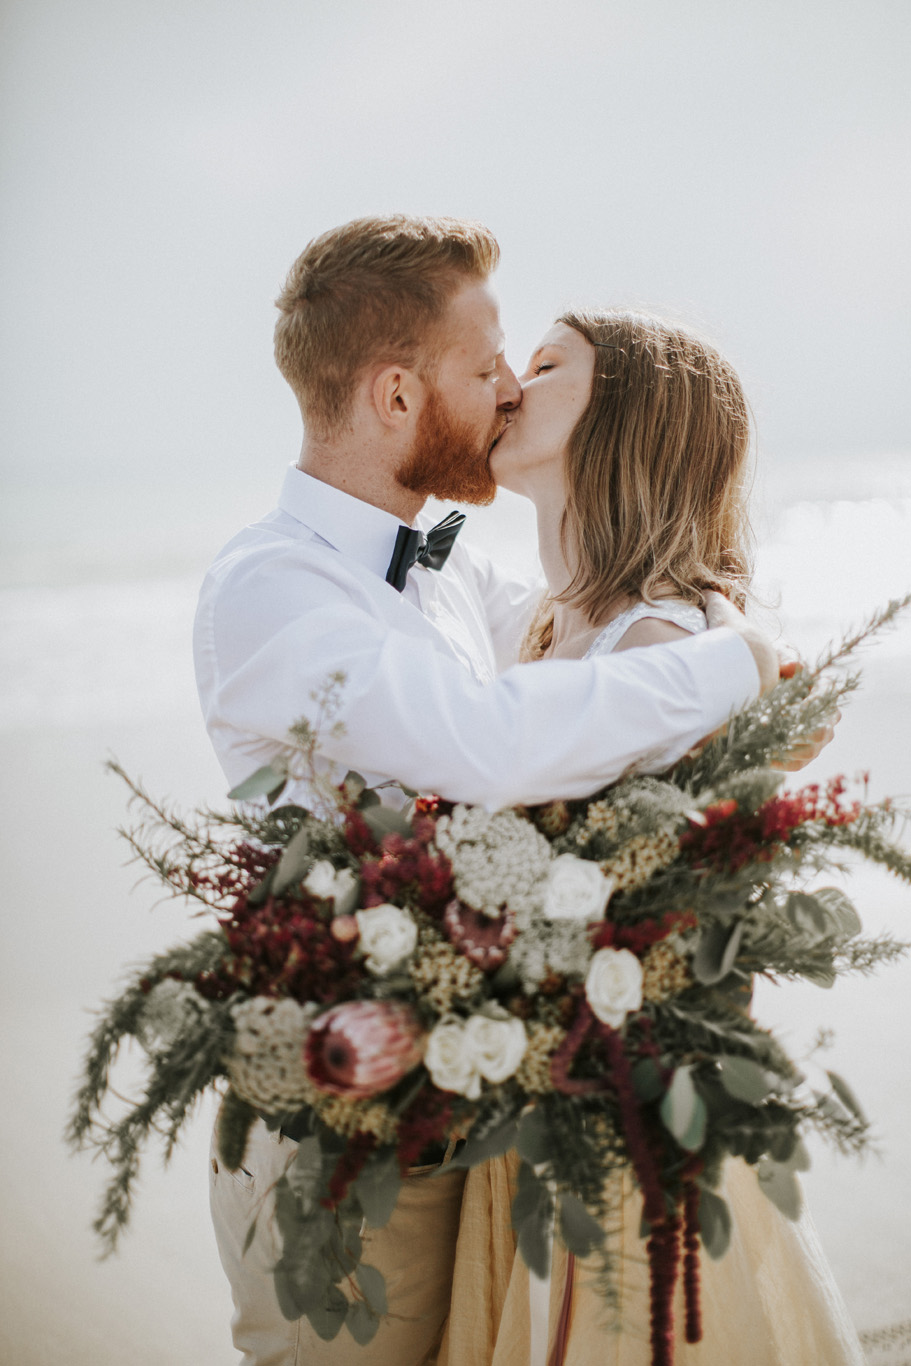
(744, 165)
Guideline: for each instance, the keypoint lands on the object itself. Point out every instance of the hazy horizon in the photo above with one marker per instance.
(744, 167)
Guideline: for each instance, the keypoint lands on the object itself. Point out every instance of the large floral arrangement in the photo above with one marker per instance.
(569, 980)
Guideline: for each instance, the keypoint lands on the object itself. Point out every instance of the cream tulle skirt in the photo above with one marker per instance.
(770, 1301)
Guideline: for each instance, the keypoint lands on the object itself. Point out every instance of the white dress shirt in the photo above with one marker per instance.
(431, 695)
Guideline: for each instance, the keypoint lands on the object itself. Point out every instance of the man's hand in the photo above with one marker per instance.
(720, 612)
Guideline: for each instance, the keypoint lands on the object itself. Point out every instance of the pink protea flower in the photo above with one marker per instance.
(482, 938)
(362, 1047)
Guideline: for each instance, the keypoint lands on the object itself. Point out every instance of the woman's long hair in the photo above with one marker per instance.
(656, 472)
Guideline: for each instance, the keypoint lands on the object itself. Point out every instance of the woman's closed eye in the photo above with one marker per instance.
(545, 365)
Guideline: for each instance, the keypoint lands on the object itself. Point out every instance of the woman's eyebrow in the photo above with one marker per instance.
(561, 346)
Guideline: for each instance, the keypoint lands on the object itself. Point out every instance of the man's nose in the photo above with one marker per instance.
(509, 390)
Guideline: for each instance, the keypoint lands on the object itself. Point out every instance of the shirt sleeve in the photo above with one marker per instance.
(510, 601)
(411, 713)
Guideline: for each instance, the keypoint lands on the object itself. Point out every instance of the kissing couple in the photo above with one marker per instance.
(631, 437)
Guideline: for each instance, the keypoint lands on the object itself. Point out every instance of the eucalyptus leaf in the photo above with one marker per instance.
(842, 916)
(373, 1288)
(778, 1181)
(303, 1287)
(799, 1161)
(534, 1245)
(847, 1096)
(506, 978)
(580, 1230)
(328, 1316)
(342, 1258)
(377, 1187)
(499, 1139)
(529, 1197)
(305, 1173)
(714, 1223)
(351, 1236)
(261, 892)
(807, 915)
(232, 1129)
(361, 1323)
(294, 863)
(534, 1142)
(782, 1143)
(384, 820)
(265, 782)
(286, 1294)
(744, 1079)
(646, 1079)
(248, 1241)
(716, 952)
(302, 1275)
(532, 1211)
(683, 1111)
(832, 1105)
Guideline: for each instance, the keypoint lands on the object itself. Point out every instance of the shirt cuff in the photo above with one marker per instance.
(724, 673)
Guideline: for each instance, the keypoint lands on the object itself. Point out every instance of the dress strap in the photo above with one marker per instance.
(683, 614)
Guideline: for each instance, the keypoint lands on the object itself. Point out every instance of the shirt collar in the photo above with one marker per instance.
(357, 529)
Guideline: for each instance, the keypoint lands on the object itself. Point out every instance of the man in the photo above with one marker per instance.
(389, 336)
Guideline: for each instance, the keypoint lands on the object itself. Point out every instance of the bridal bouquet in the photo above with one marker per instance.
(568, 980)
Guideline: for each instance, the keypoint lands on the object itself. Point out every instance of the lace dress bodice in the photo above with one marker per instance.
(682, 614)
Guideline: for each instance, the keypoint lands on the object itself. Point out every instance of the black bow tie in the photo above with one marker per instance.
(413, 547)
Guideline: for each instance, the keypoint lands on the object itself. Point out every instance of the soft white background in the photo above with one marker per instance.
(744, 166)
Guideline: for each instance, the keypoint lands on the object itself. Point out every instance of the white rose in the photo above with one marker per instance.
(341, 887)
(320, 881)
(450, 1061)
(613, 986)
(496, 1046)
(388, 934)
(576, 889)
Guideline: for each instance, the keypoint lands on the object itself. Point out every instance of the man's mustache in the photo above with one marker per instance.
(503, 426)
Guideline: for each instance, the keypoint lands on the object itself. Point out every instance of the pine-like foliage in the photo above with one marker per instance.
(686, 885)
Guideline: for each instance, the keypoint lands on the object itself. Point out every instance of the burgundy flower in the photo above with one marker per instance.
(362, 1047)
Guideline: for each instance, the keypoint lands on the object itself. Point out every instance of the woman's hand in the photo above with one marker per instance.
(772, 665)
(804, 753)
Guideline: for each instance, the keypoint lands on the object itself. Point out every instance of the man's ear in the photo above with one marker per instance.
(397, 394)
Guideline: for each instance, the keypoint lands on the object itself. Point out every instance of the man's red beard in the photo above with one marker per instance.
(449, 459)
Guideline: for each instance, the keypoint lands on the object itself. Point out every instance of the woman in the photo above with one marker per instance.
(633, 443)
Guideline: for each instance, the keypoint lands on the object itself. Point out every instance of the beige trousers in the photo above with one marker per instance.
(415, 1252)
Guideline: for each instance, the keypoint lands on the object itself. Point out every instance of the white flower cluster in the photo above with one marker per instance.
(547, 946)
(497, 859)
(171, 1008)
(267, 1065)
(554, 936)
(460, 1052)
